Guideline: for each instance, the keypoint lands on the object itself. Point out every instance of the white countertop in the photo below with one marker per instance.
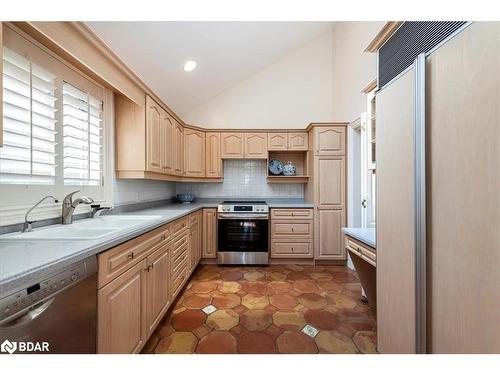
(24, 261)
(365, 235)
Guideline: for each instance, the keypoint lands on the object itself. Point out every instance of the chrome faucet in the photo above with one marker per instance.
(69, 205)
(27, 224)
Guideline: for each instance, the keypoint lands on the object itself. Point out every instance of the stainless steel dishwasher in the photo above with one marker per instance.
(60, 309)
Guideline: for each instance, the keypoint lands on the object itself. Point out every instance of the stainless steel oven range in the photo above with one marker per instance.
(243, 232)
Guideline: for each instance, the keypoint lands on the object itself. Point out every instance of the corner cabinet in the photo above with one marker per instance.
(194, 153)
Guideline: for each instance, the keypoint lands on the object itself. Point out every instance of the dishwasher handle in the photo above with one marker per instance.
(32, 314)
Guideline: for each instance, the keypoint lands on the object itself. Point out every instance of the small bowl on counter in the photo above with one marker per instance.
(185, 198)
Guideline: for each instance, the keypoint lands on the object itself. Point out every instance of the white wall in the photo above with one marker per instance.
(134, 191)
(353, 68)
(243, 179)
(289, 93)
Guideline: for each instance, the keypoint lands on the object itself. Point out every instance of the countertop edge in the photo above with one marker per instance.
(351, 232)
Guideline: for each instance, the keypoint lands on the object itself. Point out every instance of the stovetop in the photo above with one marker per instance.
(244, 202)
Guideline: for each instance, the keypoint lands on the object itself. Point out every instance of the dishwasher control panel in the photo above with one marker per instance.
(42, 290)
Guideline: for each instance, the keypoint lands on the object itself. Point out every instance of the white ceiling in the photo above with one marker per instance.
(226, 53)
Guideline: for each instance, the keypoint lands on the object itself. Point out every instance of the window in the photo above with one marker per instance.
(28, 155)
(82, 137)
(55, 138)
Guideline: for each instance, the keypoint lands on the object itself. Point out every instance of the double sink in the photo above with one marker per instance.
(88, 229)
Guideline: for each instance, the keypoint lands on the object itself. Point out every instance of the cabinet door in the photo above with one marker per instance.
(178, 149)
(121, 311)
(232, 145)
(330, 182)
(329, 234)
(153, 136)
(209, 233)
(158, 295)
(194, 246)
(330, 140)
(213, 161)
(256, 145)
(277, 141)
(168, 148)
(298, 141)
(194, 153)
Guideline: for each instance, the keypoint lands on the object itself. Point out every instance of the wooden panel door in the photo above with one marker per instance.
(194, 153)
(463, 132)
(168, 148)
(209, 233)
(213, 160)
(178, 149)
(154, 135)
(328, 238)
(232, 145)
(330, 182)
(194, 241)
(330, 140)
(298, 141)
(121, 311)
(277, 141)
(159, 293)
(256, 145)
(396, 217)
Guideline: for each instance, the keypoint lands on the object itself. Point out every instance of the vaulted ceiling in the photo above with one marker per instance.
(226, 53)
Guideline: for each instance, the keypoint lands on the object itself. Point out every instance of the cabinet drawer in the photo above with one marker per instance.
(181, 256)
(290, 248)
(180, 244)
(179, 225)
(195, 218)
(364, 252)
(291, 228)
(296, 213)
(117, 260)
(179, 278)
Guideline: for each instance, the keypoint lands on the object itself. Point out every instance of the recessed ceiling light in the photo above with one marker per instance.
(189, 66)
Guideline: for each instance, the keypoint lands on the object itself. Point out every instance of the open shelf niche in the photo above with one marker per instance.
(298, 158)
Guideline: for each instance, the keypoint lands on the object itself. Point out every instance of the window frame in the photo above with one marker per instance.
(17, 199)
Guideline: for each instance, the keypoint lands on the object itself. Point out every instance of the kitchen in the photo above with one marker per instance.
(138, 217)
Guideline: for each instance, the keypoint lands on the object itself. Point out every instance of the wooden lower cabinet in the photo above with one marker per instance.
(132, 303)
(209, 233)
(328, 235)
(121, 312)
(158, 293)
(292, 233)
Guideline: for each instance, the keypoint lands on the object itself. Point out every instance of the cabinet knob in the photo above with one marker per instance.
(130, 256)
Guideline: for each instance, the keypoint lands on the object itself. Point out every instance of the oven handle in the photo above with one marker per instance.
(249, 217)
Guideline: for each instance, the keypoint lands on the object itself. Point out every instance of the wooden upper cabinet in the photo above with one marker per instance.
(330, 140)
(213, 161)
(330, 182)
(298, 141)
(159, 293)
(277, 141)
(232, 145)
(168, 127)
(194, 153)
(256, 145)
(154, 133)
(178, 149)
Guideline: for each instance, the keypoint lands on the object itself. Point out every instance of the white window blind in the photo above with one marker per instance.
(29, 120)
(82, 132)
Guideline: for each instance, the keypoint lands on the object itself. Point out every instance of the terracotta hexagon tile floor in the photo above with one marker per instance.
(263, 310)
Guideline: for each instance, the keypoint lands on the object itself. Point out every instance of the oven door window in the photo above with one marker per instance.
(243, 235)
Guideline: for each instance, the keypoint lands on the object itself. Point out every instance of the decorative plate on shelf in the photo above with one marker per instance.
(275, 166)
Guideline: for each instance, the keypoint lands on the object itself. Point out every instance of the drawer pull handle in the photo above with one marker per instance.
(130, 256)
(163, 237)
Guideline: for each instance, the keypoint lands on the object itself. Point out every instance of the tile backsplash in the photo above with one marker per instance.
(133, 191)
(243, 179)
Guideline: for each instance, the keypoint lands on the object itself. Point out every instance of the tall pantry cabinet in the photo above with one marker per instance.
(327, 189)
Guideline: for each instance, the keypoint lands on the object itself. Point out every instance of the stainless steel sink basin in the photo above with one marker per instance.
(84, 229)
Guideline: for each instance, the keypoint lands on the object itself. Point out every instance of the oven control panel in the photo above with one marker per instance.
(244, 208)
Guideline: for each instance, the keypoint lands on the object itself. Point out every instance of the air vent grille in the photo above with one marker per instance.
(410, 40)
